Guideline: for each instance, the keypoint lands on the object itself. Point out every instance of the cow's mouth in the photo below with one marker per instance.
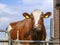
(37, 29)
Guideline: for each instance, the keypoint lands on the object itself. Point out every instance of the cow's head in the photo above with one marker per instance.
(37, 16)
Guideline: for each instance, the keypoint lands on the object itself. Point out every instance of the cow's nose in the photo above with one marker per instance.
(35, 26)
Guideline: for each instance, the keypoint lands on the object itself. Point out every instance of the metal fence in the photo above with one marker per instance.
(11, 41)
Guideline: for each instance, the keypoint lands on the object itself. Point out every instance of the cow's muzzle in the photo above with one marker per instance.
(38, 28)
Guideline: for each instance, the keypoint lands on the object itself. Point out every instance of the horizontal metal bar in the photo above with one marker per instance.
(4, 40)
(3, 31)
(55, 42)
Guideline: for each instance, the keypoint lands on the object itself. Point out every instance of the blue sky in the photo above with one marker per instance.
(11, 10)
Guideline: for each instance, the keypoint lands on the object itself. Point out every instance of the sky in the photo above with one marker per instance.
(12, 10)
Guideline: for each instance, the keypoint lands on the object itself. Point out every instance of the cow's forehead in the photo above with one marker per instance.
(37, 12)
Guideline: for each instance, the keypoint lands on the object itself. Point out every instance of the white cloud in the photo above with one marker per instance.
(6, 9)
(4, 19)
(2, 6)
(31, 1)
(45, 5)
(37, 2)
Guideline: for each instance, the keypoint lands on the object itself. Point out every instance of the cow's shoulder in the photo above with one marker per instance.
(23, 23)
(12, 24)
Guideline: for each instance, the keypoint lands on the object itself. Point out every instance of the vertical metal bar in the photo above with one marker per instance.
(17, 35)
(59, 25)
(51, 26)
(51, 30)
(9, 39)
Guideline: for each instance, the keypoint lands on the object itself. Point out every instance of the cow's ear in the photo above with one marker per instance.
(47, 15)
(26, 15)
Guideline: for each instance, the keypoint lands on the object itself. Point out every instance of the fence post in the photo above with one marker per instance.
(10, 43)
(51, 30)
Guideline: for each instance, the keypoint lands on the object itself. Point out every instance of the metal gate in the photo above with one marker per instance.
(17, 41)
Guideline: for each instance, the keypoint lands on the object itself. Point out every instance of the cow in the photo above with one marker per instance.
(31, 28)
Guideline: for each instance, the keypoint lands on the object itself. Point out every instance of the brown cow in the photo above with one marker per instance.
(31, 28)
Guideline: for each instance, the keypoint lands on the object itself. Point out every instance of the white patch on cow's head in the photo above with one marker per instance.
(36, 13)
(9, 28)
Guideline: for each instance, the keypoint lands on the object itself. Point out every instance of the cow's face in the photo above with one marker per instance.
(37, 16)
